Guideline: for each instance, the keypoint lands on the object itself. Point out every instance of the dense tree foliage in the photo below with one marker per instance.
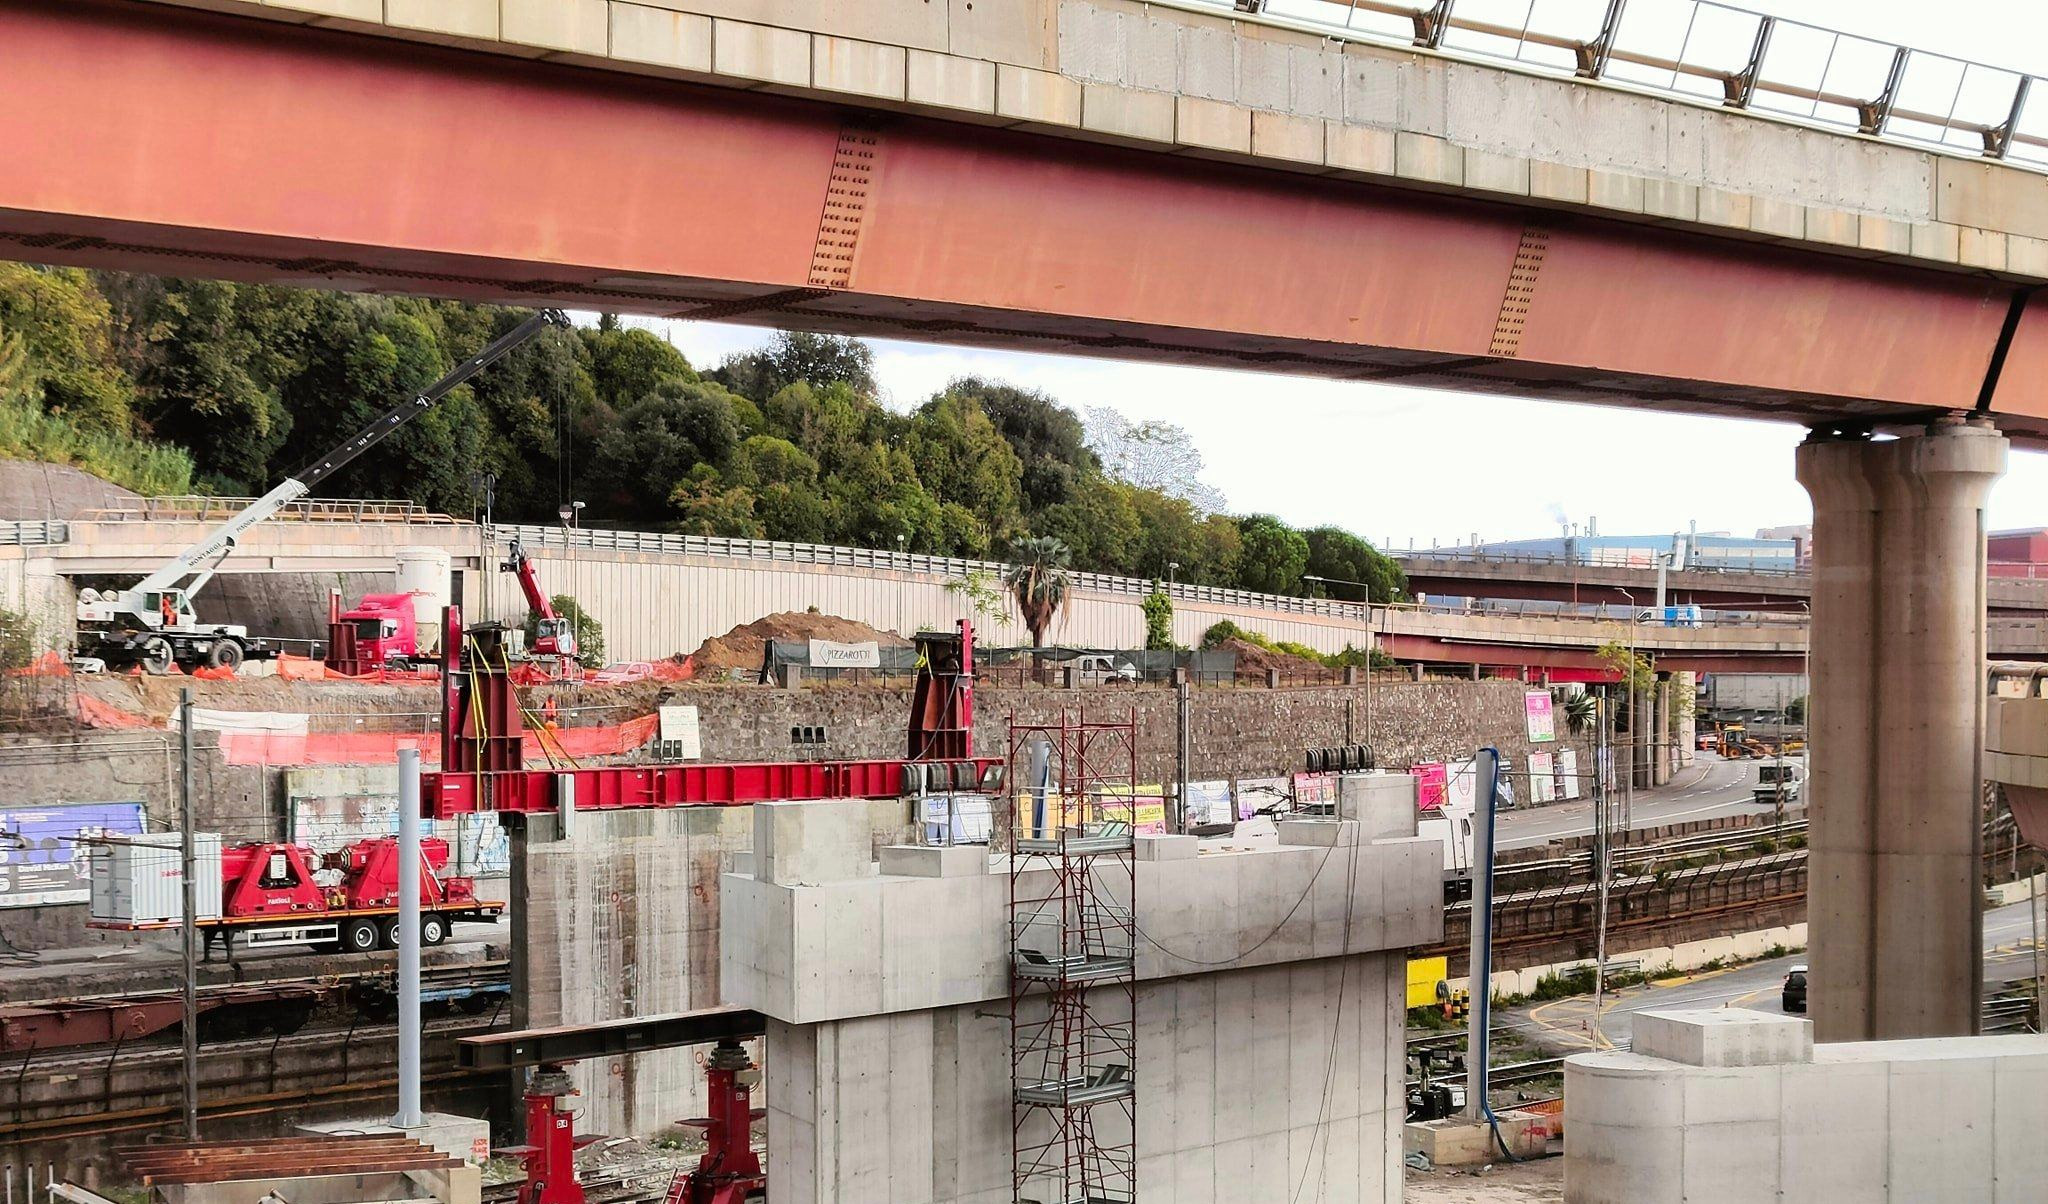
(168, 385)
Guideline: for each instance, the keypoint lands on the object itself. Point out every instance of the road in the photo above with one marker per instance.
(1710, 787)
(1565, 1025)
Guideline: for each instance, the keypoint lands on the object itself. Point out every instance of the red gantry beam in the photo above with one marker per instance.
(139, 137)
(611, 788)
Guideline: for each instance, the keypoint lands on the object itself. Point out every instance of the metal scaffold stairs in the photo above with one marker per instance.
(1073, 945)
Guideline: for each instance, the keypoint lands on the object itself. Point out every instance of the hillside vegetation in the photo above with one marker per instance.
(169, 386)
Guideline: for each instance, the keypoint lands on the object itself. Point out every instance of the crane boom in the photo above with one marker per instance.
(162, 601)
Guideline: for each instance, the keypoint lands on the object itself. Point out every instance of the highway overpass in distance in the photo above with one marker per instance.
(1464, 573)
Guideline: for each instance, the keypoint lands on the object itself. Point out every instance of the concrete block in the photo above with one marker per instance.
(641, 33)
(1616, 190)
(927, 861)
(1776, 218)
(1989, 196)
(1940, 1145)
(1372, 89)
(1037, 96)
(1315, 86)
(1719, 207)
(1152, 52)
(1383, 802)
(1212, 125)
(1937, 240)
(861, 68)
(804, 843)
(1889, 235)
(1489, 172)
(1715, 1037)
(2027, 256)
(579, 26)
(1319, 833)
(1160, 847)
(1674, 199)
(1127, 112)
(1285, 136)
(1359, 148)
(1092, 42)
(1263, 72)
(1460, 1142)
(1978, 248)
(1558, 182)
(1827, 1151)
(458, 18)
(371, 11)
(1433, 160)
(950, 81)
(1836, 227)
(761, 52)
(2019, 1088)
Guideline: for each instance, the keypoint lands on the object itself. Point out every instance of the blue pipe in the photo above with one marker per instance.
(1483, 978)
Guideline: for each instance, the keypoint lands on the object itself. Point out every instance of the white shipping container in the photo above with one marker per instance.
(139, 880)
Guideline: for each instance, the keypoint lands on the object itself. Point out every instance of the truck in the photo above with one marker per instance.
(267, 893)
(153, 624)
(379, 632)
(1777, 784)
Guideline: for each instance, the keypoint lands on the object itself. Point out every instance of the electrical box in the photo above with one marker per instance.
(139, 881)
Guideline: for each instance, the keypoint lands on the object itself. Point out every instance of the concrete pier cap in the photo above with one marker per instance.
(1269, 995)
(1896, 727)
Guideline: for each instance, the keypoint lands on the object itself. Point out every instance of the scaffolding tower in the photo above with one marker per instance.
(1073, 945)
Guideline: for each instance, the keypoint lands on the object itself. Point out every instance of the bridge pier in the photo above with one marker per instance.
(1896, 729)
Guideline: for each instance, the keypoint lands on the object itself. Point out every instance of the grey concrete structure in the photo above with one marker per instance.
(1897, 729)
(621, 919)
(1269, 1035)
(1728, 1106)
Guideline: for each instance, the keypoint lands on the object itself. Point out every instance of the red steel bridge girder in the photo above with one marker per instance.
(242, 149)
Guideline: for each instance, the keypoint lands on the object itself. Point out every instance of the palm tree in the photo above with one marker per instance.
(1579, 710)
(1038, 584)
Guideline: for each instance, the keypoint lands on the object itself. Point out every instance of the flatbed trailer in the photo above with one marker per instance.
(340, 930)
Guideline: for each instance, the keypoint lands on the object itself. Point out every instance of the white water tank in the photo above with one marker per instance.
(426, 575)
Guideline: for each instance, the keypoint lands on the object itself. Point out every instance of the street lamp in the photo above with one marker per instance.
(571, 514)
(1172, 567)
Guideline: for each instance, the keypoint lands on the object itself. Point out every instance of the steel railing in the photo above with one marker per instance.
(202, 508)
(1709, 52)
(1462, 557)
(34, 531)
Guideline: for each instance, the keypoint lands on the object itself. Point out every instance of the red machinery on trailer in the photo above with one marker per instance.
(270, 895)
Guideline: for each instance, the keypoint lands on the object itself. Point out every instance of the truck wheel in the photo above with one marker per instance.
(156, 655)
(387, 933)
(433, 929)
(225, 654)
(359, 936)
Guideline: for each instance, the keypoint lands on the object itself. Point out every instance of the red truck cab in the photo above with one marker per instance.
(378, 632)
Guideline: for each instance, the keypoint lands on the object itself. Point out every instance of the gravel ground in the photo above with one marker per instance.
(1505, 1183)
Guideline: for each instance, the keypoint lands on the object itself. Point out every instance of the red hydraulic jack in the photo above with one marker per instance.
(730, 1171)
(551, 1140)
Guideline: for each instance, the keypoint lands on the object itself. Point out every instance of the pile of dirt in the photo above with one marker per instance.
(31, 490)
(1253, 659)
(743, 647)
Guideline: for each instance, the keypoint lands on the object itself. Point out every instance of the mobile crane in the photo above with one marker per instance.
(153, 623)
(553, 635)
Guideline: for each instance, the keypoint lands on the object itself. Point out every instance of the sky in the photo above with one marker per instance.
(1397, 465)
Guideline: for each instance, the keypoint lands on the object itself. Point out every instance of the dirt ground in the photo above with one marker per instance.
(1504, 1183)
(743, 646)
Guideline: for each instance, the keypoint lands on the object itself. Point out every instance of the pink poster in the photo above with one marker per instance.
(1431, 783)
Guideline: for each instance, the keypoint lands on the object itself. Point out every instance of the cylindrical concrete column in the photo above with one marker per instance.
(1896, 726)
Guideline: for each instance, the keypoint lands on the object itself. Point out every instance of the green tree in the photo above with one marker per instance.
(66, 327)
(1274, 555)
(627, 364)
(815, 359)
(704, 505)
(1038, 583)
(1098, 524)
(1158, 620)
(962, 460)
(1342, 557)
(656, 442)
(978, 590)
(1050, 444)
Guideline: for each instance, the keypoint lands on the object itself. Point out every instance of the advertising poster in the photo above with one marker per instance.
(1261, 794)
(1315, 791)
(1542, 778)
(1542, 723)
(331, 807)
(1432, 785)
(1568, 774)
(1461, 789)
(957, 819)
(42, 859)
(1209, 804)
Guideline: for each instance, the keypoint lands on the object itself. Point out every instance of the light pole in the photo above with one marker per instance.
(1635, 733)
(571, 513)
(1172, 567)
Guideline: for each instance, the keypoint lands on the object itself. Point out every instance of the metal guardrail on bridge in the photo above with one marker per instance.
(193, 507)
(1708, 52)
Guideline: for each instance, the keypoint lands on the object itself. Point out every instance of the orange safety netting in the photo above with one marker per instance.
(381, 748)
(49, 664)
(94, 713)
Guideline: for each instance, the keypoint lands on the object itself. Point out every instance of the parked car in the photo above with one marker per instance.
(622, 671)
(1793, 994)
(1096, 669)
